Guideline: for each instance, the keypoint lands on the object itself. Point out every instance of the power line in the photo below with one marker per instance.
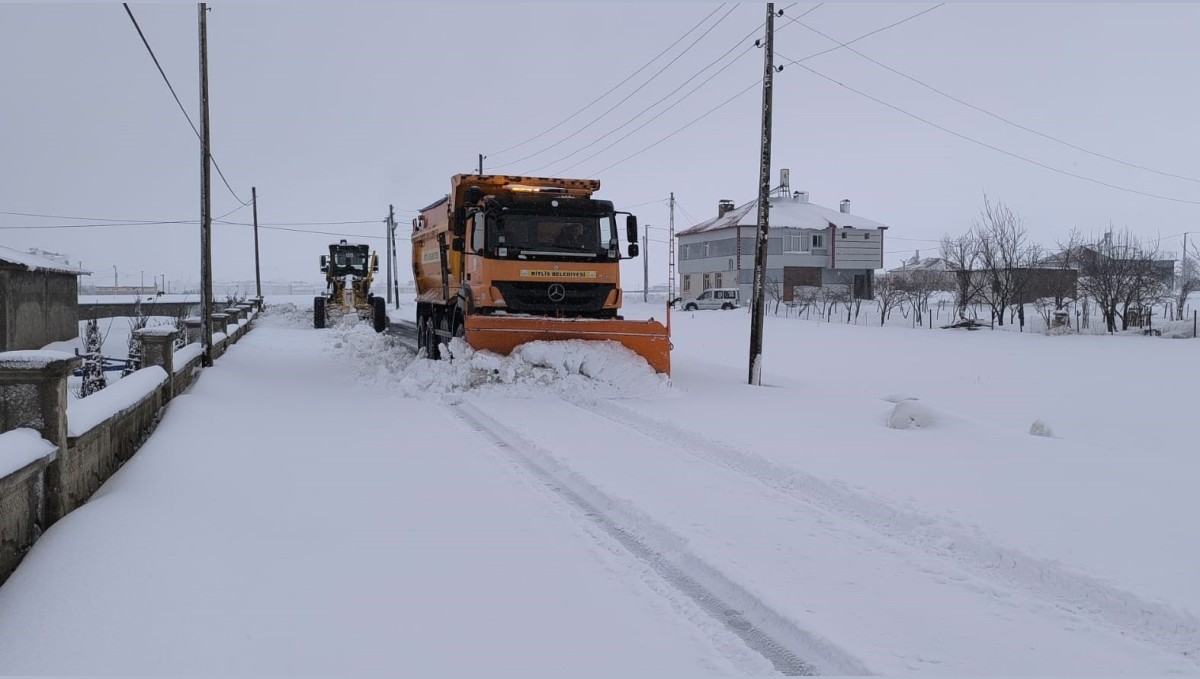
(614, 87)
(709, 112)
(94, 226)
(693, 122)
(990, 113)
(628, 96)
(177, 101)
(668, 96)
(639, 114)
(357, 221)
(987, 145)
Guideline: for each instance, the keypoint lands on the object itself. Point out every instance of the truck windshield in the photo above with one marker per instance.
(580, 236)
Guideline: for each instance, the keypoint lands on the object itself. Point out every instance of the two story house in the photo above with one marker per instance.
(808, 245)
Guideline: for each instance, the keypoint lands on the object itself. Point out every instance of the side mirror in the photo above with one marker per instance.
(457, 245)
(458, 224)
(633, 250)
(631, 231)
(324, 263)
(375, 263)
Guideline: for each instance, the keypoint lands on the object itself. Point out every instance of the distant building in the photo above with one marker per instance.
(39, 300)
(916, 265)
(808, 245)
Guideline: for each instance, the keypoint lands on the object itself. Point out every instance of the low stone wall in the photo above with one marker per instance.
(33, 395)
(22, 506)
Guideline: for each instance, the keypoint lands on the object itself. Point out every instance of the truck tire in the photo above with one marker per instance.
(726, 306)
(379, 317)
(431, 340)
(690, 307)
(318, 312)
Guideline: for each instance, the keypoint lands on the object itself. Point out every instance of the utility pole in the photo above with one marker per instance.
(115, 283)
(387, 244)
(143, 283)
(257, 270)
(395, 264)
(764, 207)
(671, 260)
(646, 264)
(206, 285)
(481, 157)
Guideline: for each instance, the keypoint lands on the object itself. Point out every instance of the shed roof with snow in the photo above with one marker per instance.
(31, 262)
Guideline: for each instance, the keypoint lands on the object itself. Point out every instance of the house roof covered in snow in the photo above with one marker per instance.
(786, 211)
(32, 262)
(916, 263)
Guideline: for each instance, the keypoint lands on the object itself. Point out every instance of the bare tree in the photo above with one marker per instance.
(1005, 257)
(1120, 273)
(830, 297)
(918, 287)
(1189, 279)
(804, 297)
(961, 255)
(774, 291)
(888, 295)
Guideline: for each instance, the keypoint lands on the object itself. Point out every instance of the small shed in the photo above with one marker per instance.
(39, 300)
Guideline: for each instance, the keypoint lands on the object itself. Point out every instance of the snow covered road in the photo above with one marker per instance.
(322, 502)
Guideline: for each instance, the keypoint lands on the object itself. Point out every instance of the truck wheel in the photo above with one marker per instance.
(690, 307)
(379, 314)
(431, 340)
(318, 312)
(726, 306)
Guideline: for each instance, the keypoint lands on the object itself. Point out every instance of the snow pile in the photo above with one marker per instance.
(19, 447)
(1040, 428)
(288, 316)
(912, 414)
(570, 368)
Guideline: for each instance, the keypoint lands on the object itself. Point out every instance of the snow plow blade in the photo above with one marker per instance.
(502, 334)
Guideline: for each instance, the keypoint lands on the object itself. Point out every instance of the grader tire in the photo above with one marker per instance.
(318, 312)
(379, 317)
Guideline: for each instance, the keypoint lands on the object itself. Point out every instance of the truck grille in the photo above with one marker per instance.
(537, 298)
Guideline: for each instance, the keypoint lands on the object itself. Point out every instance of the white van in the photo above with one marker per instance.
(715, 298)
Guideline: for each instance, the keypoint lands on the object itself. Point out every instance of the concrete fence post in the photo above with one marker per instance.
(192, 329)
(33, 394)
(158, 348)
(220, 323)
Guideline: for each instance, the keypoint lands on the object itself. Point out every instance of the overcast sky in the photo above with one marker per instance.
(336, 110)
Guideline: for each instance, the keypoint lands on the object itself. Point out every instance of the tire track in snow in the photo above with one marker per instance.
(790, 649)
(1113, 608)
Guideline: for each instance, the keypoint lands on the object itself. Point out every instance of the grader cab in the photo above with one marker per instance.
(349, 271)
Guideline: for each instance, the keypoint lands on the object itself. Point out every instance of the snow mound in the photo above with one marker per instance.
(1040, 428)
(570, 368)
(912, 414)
(287, 315)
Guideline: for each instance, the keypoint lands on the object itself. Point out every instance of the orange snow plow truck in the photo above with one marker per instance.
(504, 260)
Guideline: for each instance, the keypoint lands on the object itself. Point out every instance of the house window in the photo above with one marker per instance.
(818, 240)
(718, 279)
(845, 235)
(866, 236)
(795, 243)
(707, 282)
(730, 265)
(687, 282)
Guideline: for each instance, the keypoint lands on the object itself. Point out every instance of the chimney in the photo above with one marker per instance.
(800, 196)
(846, 206)
(724, 206)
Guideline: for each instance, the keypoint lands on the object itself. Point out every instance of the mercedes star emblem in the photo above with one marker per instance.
(556, 292)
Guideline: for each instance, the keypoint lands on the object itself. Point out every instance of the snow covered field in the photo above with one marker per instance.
(878, 506)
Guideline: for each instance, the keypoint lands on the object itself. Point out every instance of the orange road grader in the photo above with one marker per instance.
(504, 260)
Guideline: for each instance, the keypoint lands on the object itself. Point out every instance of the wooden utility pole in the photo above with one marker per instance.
(257, 269)
(206, 284)
(646, 264)
(764, 207)
(481, 157)
(387, 244)
(395, 264)
(671, 259)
